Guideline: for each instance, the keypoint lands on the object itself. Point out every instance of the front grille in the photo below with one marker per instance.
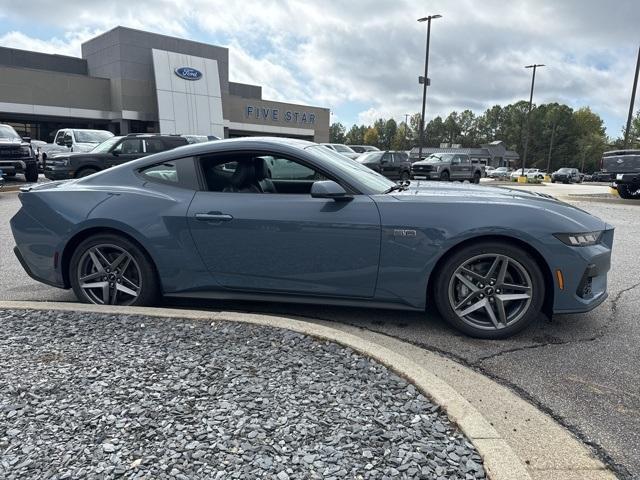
(11, 152)
(421, 168)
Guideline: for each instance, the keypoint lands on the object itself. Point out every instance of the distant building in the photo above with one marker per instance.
(493, 154)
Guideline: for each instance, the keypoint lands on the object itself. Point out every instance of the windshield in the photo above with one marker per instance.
(502, 169)
(370, 157)
(91, 136)
(564, 170)
(7, 132)
(105, 146)
(351, 168)
(439, 157)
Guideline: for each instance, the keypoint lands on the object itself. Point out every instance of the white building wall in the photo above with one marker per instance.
(188, 106)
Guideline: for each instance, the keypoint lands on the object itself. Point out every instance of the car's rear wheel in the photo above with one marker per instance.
(85, 172)
(629, 192)
(111, 270)
(489, 290)
(444, 176)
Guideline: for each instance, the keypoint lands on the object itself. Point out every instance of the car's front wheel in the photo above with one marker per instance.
(489, 290)
(444, 176)
(629, 192)
(112, 270)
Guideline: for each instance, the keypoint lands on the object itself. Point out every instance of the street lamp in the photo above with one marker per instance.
(425, 81)
(526, 131)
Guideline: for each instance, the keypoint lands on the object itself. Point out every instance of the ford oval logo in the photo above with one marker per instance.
(188, 73)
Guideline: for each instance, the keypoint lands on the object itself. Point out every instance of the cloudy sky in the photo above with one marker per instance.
(361, 58)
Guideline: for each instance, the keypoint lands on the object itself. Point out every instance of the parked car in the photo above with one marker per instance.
(447, 166)
(363, 148)
(486, 170)
(180, 224)
(567, 175)
(114, 151)
(499, 173)
(16, 155)
(624, 167)
(530, 173)
(342, 150)
(391, 164)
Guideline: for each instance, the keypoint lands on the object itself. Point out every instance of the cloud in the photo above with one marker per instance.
(339, 54)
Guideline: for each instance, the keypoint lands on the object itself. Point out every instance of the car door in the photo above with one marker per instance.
(456, 167)
(284, 242)
(128, 149)
(386, 165)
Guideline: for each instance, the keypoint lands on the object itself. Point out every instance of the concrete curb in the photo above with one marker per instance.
(501, 460)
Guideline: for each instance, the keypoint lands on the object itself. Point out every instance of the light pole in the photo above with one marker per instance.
(425, 81)
(526, 128)
(633, 99)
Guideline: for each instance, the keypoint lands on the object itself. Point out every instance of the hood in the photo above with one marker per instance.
(424, 191)
(424, 162)
(84, 147)
(13, 141)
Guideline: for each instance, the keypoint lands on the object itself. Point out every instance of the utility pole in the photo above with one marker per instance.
(553, 132)
(633, 99)
(425, 81)
(526, 131)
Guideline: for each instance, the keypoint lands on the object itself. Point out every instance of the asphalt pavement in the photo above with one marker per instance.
(581, 369)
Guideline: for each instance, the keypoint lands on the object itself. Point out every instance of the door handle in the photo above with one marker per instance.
(214, 217)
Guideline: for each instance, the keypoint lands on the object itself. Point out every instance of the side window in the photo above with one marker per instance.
(387, 158)
(255, 173)
(130, 146)
(59, 140)
(166, 172)
(455, 160)
(154, 145)
(67, 139)
(464, 160)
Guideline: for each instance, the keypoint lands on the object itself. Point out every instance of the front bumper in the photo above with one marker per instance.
(422, 175)
(584, 271)
(12, 167)
(55, 172)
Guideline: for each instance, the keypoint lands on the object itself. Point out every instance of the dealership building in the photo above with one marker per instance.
(130, 81)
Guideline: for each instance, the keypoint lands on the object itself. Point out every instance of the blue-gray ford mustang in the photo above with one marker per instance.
(288, 220)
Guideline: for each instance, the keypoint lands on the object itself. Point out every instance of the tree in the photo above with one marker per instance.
(336, 133)
(371, 137)
(436, 132)
(468, 126)
(401, 140)
(414, 123)
(388, 132)
(355, 135)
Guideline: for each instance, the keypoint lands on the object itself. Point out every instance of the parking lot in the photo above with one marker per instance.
(582, 369)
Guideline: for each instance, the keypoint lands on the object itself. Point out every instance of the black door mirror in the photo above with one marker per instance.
(329, 189)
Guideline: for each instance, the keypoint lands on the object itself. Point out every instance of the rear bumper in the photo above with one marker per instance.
(27, 269)
(58, 173)
(619, 178)
(13, 166)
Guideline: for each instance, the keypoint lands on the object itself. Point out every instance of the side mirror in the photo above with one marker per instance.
(68, 143)
(27, 139)
(329, 189)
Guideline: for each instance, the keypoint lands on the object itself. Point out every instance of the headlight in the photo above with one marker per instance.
(579, 239)
(60, 162)
(437, 168)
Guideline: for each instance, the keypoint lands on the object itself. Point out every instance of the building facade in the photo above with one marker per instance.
(494, 154)
(133, 81)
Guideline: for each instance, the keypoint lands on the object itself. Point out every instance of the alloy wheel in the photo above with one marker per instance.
(109, 275)
(490, 291)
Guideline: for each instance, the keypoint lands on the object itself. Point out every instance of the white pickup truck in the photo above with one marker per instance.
(72, 140)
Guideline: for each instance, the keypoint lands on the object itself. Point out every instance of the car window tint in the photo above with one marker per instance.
(283, 169)
(166, 172)
(154, 145)
(130, 146)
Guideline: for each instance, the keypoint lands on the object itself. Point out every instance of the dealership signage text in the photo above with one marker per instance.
(188, 73)
(277, 115)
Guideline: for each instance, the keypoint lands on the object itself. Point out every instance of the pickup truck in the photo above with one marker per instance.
(72, 140)
(16, 155)
(447, 166)
(624, 168)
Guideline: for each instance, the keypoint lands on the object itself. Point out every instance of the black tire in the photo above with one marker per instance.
(85, 172)
(31, 173)
(149, 286)
(525, 315)
(629, 192)
(476, 178)
(444, 176)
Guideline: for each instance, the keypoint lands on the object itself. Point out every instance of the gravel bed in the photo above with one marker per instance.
(111, 396)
